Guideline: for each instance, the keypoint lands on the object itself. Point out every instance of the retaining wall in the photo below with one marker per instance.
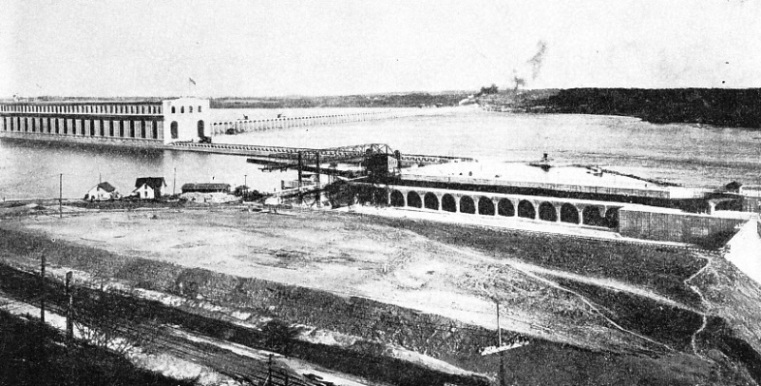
(677, 227)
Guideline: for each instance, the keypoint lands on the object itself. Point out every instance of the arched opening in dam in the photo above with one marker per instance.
(611, 218)
(547, 212)
(485, 206)
(431, 201)
(448, 203)
(569, 214)
(397, 198)
(592, 216)
(467, 205)
(526, 210)
(505, 208)
(413, 200)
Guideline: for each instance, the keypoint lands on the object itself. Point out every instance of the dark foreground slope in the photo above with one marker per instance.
(32, 353)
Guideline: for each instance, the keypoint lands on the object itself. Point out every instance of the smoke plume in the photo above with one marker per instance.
(536, 60)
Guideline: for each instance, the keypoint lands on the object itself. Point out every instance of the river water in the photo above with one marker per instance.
(691, 155)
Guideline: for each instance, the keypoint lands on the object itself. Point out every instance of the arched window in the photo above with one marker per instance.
(173, 110)
(190, 109)
(199, 109)
(173, 129)
(182, 109)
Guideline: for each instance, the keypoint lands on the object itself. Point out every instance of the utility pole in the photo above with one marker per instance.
(245, 186)
(501, 353)
(69, 307)
(42, 288)
(269, 370)
(174, 182)
(499, 330)
(317, 167)
(60, 195)
(300, 166)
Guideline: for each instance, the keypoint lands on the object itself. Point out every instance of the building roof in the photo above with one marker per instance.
(153, 182)
(107, 187)
(208, 187)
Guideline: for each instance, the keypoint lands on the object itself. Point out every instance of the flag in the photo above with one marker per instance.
(192, 81)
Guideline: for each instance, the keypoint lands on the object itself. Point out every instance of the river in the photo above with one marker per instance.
(687, 154)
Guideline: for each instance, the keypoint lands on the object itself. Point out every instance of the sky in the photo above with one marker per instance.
(280, 47)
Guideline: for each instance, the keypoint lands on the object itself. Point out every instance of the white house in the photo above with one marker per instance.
(149, 188)
(102, 192)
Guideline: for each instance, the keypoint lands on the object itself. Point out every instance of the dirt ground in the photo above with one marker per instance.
(348, 255)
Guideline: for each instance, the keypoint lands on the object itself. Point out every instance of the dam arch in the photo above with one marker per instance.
(467, 205)
(413, 200)
(569, 214)
(485, 206)
(526, 210)
(448, 203)
(547, 212)
(430, 201)
(397, 198)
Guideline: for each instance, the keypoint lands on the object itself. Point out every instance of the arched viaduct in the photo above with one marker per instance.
(538, 208)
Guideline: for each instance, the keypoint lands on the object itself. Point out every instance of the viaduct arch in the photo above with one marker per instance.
(575, 212)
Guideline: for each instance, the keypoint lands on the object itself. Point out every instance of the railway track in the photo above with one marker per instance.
(258, 367)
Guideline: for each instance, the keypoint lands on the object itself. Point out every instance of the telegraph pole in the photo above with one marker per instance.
(174, 182)
(317, 167)
(245, 186)
(42, 288)
(60, 195)
(501, 353)
(69, 308)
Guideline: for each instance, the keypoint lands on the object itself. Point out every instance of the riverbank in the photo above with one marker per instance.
(374, 280)
(717, 107)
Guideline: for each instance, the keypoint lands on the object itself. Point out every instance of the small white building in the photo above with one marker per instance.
(149, 188)
(102, 192)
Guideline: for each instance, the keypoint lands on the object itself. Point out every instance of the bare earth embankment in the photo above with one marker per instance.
(593, 312)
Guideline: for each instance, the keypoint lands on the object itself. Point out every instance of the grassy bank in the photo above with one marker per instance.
(719, 107)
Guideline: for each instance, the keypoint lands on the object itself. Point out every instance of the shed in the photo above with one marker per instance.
(206, 188)
(149, 187)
